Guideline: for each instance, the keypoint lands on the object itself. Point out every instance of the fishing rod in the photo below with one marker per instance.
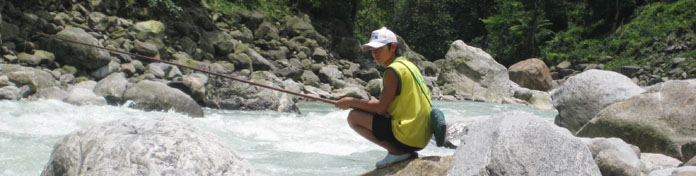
(192, 68)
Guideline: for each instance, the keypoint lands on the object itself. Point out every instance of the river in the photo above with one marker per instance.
(316, 142)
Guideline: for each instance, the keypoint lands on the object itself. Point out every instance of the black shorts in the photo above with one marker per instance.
(382, 129)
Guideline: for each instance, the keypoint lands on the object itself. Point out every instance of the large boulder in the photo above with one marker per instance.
(614, 157)
(680, 171)
(660, 120)
(77, 54)
(431, 165)
(531, 73)
(151, 95)
(582, 96)
(473, 73)
(131, 146)
(519, 143)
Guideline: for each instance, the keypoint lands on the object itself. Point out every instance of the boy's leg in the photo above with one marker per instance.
(361, 122)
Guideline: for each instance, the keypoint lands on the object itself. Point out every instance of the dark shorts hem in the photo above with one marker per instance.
(382, 129)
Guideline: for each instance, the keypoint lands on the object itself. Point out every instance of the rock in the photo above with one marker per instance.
(429, 68)
(34, 78)
(76, 54)
(355, 92)
(9, 93)
(330, 74)
(196, 84)
(680, 171)
(656, 161)
(658, 121)
(629, 70)
(531, 73)
(50, 93)
(613, 156)
(160, 70)
(4, 81)
(293, 69)
(519, 143)
(348, 47)
(582, 96)
(691, 162)
(535, 98)
(98, 21)
(266, 31)
(563, 65)
(430, 165)
(131, 146)
(106, 70)
(112, 88)
(678, 60)
(319, 55)
(260, 63)
(150, 95)
(9, 31)
(83, 96)
(151, 29)
(28, 59)
(311, 90)
(145, 48)
(369, 74)
(474, 73)
(110, 7)
(45, 56)
(240, 60)
(374, 87)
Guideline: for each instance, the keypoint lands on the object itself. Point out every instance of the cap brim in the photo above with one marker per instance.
(371, 45)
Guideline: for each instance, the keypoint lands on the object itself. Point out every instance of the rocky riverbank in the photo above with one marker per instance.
(289, 53)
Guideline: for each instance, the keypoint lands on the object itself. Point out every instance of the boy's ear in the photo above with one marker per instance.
(393, 46)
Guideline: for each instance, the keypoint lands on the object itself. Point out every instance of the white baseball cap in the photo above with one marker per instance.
(379, 38)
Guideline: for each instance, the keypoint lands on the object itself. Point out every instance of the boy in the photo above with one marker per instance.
(400, 120)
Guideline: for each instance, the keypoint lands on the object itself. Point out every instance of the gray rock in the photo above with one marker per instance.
(614, 156)
(582, 96)
(678, 60)
(355, 92)
(76, 54)
(9, 93)
(309, 78)
(260, 63)
(106, 70)
(110, 7)
(629, 70)
(658, 121)
(34, 78)
(474, 73)
(680, 171)
(97, 21)
(50, 93)
(563, 65)
(319, 55)
(240, 60)
(131, 146)
(112, 88)
(656, 161)
(145, 48)
(9, 31)
(429, 165)
(429, 68)
(519, 143)
(196, 84)
(330, 74)
(151, 29)
(83, 96)
(292, 69)
(311, 90)
(28, 59)
(369, 74)
(266, 31)
(160, 70)
(374, 87)
(4, 81)
(150, 95)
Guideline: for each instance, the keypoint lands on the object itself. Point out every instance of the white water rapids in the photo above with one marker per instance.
(316, 142)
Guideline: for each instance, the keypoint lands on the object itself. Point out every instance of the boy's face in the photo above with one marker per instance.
(383, 54)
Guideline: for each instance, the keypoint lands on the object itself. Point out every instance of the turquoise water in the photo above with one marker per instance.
(316, 142)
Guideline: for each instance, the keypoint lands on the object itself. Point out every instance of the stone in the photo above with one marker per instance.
(9, 31)
(112, 88)
(680, 171)
(155, 96)
(78, 55)
(34, 78)
(656, 161)
(150, 29)
(145, 48)
(519, 143)
(309, 78)
(614, 156)
(330, 74)
(260, 63)
(355, 92)
(9, 93)
(28, 59)
(374, 87)
(266, 31)
(563, 65)
(369, 74)
(429, 165)
(473, 72)
(531, 73)
(83, 96)
(319, 55)
(138, 146)
(106, 70)
(660, 120)
(582, 96)
(629, 70)
(50, 93)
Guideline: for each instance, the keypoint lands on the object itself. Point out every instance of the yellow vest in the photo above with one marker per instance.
(410, 109)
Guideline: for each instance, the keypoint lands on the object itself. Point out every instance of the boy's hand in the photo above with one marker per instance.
(344, 103)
